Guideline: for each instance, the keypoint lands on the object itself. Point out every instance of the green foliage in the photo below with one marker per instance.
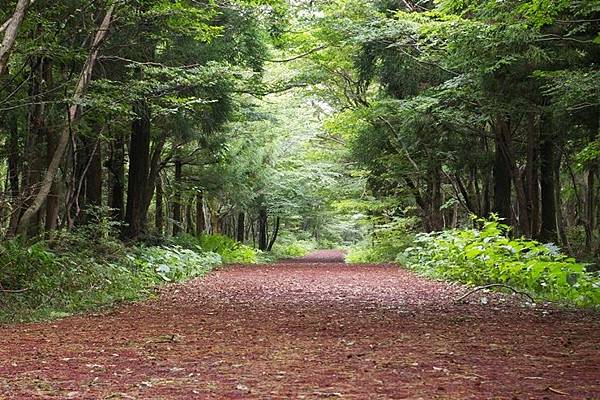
(231, 251)
(490, 255)
(388, 240)
(175, 263)
(293, 245)
(77, 271)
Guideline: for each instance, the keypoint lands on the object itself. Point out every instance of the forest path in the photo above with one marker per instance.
(310, 328)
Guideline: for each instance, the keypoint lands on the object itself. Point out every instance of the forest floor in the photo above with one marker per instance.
(310, 328)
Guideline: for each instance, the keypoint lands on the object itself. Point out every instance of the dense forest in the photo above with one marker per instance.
(152, 135)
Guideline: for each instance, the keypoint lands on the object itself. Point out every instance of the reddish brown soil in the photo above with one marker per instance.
(312, 329)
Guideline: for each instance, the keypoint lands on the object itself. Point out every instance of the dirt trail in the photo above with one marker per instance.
(313, 329)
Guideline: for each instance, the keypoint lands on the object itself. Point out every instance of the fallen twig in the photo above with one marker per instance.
(478, 288)
(556, 391)
(13, 290)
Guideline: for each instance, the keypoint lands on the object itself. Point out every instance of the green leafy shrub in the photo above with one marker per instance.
(175, 263)
(78, 271)
(290, 245)
(365, 255)
(388, 240)
(294, 250)
(51, 283)
(229, 249)
(489, 255)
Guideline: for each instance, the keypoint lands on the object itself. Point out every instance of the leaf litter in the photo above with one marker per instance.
(308, 328)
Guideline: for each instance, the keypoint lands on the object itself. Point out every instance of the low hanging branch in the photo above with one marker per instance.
(492, 285)
(73, 116)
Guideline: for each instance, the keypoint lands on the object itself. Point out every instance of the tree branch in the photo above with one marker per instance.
(296, 57)
(11, 30)
(478, 288)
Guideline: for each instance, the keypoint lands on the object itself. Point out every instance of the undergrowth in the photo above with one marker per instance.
(290, 245)
(387, 241)
(490, 255)
(230, 250)
(82, 270)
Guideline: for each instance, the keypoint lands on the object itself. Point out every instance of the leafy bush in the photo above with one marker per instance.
(76, 271)
(489, 255)
(51, 283)
(388, 240)
(175, 263)
(229, 249)
(290, 245)
(293, 250)
(365, 255)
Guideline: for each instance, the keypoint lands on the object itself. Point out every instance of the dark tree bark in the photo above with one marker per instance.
(502, 174)
(435, 220)
(241, 227)
(275, 234)
(189, 223)
(35, 144)
(200, 218)
(52, 203)
(153, 175)
(262, 229)
(139, 149)
(177, 197)
(117, 177)
(93, 174)
(547, 185)
(590, 193)
(14, 157)
(159, 219)
(531, 175)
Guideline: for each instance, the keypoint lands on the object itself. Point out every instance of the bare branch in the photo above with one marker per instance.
(296, 57)
(478, 288)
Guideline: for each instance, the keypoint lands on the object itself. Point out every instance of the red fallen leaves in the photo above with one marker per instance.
(312, 328)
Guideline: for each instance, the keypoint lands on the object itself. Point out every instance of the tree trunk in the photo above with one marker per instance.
(548, 186)
(502, 173)
(200, 218)
(117, 169)
(52, 204)
(14, 157)
(93, 174)
(189, 223)
(274, 236)
(36, 141)
(159, 219)
(177, 198)
(262, 228)
(240, 227)
(73, 116)
(559, 219)
(590, 194)
(153, 175)
(139, 149)
(531, 175)
(434, 188)
(253, 230)
(11, 30)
